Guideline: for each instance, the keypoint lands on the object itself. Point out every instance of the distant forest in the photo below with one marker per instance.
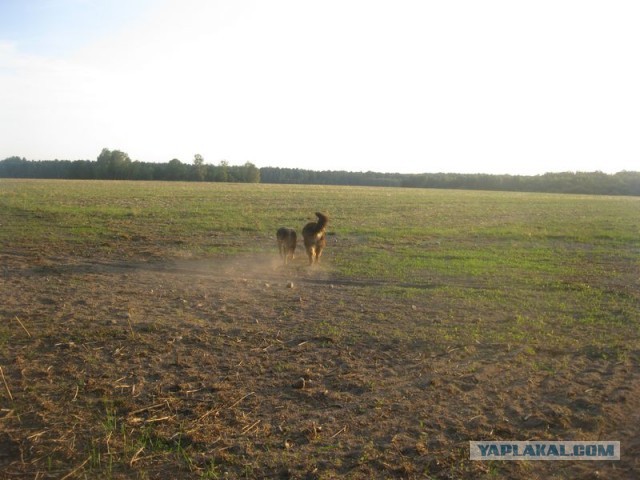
(116, 165)
(594, 183)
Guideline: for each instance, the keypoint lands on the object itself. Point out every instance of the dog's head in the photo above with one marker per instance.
(322, 219)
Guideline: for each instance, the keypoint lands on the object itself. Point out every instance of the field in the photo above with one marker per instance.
(149, 330)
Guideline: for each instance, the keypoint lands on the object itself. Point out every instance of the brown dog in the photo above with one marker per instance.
(286, 243)
(315, 238)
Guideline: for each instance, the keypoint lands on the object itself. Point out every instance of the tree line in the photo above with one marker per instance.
(116, 165)
(595, 183)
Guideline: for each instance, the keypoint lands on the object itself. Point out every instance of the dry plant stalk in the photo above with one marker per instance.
(212, 411)
(73, 472)
(133, 334)
(161, 419)
(238, 401)
(343, 429)
(248, 428)
(6, 385)
(144, 409)
(23, 327)
(135, 458)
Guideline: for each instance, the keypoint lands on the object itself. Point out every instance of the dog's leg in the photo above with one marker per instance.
(311, 251)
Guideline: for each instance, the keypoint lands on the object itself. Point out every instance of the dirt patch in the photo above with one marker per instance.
(243, 367)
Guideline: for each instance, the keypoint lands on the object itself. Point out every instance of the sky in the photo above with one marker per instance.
(409, 86)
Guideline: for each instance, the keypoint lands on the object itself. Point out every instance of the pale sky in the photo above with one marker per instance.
(486, 86)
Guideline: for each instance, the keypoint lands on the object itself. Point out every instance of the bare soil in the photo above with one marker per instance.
(240, 367)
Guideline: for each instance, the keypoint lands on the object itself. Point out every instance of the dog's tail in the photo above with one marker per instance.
(322, 220)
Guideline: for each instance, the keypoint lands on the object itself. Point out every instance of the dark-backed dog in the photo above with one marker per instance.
(286, 243)
(315, 237)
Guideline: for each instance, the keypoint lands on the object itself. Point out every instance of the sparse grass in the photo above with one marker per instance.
(441, 306)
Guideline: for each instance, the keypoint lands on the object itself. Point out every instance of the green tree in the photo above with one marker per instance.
(251, 173)
(199, 168)
(223, 171)
(114, 164)
(176, 170)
